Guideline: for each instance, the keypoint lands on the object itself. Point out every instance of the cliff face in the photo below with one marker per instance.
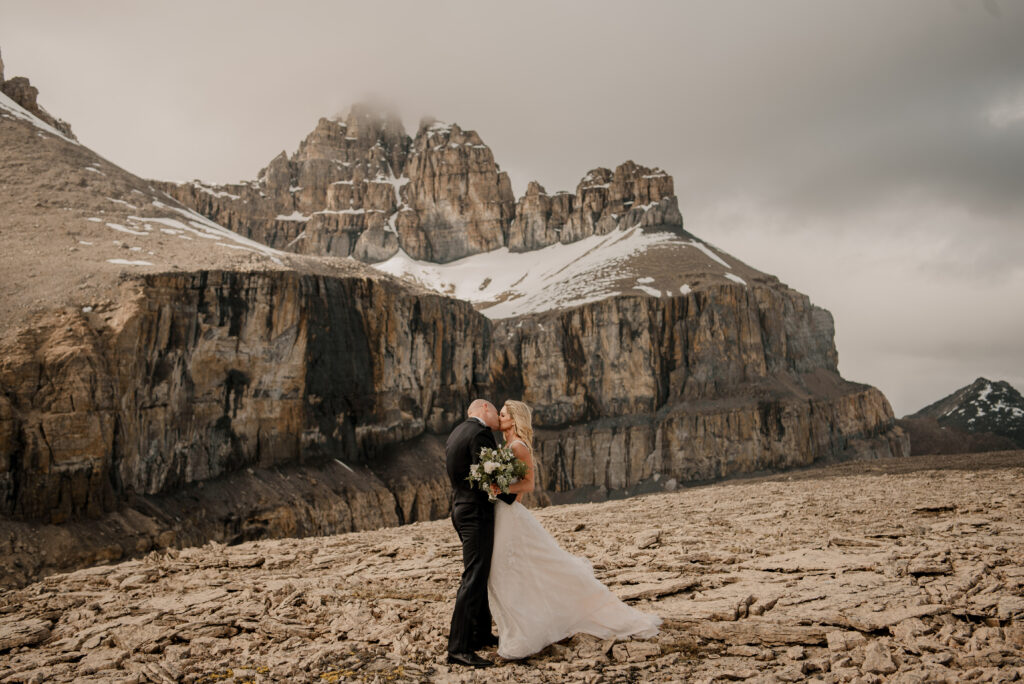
(636, 354)
(223, 381)
(198, 375)
(338, 195)
(727, 380)
(460, 203)
(230, 406)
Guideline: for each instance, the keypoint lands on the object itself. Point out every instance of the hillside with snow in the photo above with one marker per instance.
(661, 261)
(436, 210)
(74, 225)
(983, 406)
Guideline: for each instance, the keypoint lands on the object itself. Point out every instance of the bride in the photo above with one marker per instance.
(538, 592)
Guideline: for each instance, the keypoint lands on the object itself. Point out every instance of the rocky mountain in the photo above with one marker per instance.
(989, 411)
(359, 186)
(184, 363)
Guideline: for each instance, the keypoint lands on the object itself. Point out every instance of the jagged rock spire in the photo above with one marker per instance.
(359, 186)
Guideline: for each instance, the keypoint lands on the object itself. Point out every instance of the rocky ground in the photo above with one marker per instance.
(907, 570)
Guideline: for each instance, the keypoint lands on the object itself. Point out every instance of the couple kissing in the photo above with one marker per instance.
(514, 571)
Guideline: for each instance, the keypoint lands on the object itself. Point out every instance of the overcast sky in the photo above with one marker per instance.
(868, 153)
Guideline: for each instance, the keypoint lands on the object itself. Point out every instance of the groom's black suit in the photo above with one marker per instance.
(473, 517)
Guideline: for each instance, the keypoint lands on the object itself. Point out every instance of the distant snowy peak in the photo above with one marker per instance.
(982, 406)
(984, 400)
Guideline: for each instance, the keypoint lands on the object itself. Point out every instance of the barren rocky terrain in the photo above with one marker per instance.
(904, 569)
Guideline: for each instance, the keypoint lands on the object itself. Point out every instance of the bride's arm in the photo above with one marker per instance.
(526, 484)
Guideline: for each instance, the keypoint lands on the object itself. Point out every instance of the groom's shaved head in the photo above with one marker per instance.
(479, 406)
(485, 411)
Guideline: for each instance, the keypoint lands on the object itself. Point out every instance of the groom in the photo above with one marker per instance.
(473, 517)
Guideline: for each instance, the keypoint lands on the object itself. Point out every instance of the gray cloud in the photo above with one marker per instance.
(807, 102)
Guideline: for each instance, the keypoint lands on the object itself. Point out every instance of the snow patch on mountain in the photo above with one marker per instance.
(735, 278)
(507, 284)
(707, 250)
(16, 111)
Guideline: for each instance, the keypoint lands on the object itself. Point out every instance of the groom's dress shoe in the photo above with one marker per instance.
(489, 640)
(468, 659)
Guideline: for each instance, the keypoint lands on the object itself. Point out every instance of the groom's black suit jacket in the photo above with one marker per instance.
(463, 450)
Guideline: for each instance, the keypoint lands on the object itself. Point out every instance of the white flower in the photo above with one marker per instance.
(474, 469)
(490, 467)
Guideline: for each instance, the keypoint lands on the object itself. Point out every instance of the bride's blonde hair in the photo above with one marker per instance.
(522, 418)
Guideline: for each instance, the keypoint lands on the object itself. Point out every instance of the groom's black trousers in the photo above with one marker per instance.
(471, 620)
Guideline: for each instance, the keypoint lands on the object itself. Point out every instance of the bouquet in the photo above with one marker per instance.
(497, 466)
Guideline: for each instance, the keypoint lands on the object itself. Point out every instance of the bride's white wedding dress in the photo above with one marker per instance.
(540, 593)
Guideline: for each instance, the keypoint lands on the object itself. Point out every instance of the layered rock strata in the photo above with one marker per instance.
(342, 182)
(200, 375)
(203, 376)
(459, 202)
(727, 380)
(407, 483)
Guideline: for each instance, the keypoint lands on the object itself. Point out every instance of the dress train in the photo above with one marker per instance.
(539, 593)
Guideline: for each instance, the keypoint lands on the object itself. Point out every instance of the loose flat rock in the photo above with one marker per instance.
(761, 631)
(654, 590)
(818, 560)
(878, 659)
(871, 621)
(23, 633)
